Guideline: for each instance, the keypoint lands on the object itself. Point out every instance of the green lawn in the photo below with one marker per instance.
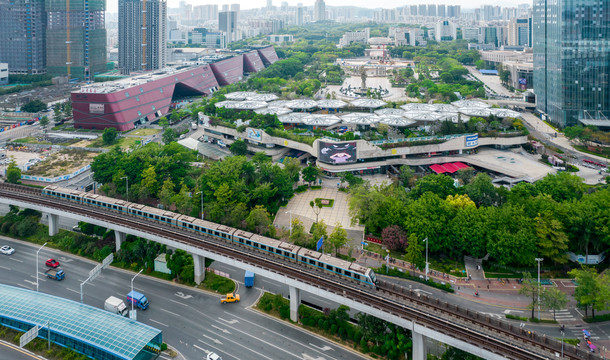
(144, 132)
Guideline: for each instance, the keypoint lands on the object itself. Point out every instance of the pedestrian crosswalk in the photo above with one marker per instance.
(563, 315)
(576, 332)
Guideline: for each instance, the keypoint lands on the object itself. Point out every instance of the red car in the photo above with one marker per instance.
(52, 263)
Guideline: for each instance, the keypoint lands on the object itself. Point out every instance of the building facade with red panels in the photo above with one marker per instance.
(268, 55)
(124, 103)
(229, 70)
(253, 62)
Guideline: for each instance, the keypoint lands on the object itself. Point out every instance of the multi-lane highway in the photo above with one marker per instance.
(193, 321)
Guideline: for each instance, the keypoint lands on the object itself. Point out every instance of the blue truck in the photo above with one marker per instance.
(56, 274)
(138, 299)
(249, 279)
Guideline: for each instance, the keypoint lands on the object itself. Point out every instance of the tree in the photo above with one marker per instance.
(110, 135)
(13, 173)
(552, 241)
(531, 288)
(465, 175)
(553, 299)
(239, 147)
(338, 238)
(310, 173)
(593, 289)
(149, 180)
(166, 194)
(320, 230)
(299, 236)
(174, 117)
(169, 135)
(259, 220)
(482, 191)
(383, 129)
(34, 106)
(406, 176)
(44, 122)
(177, 261)
(316, 206)
(163, 122)
(394, 238)
(414, 252)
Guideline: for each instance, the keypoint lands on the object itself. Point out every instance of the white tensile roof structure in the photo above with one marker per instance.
(475, 111)
(423, 115)
(250, 105)
(418, 107)
(331, 104)
(262, 97)
(454, 117)
(396, 120)
(293, 118)
(390, 111)
(504, 113)
(239, 95)
(470, 103)
(302, 104)
(321, 120)
(273, 110)
(360, 119)
(446, 108)
(278, 103)
(229, 104)
(368, 103)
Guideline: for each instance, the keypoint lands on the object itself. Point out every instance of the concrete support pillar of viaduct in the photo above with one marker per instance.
(119, 238)
(53, 224)
(419, 347)
(199, 262)
(295, 301)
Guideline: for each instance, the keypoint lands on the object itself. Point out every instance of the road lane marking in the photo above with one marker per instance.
(17, 260)
(30, 282)
(173, 313)
(216, 341)
(160, 323)
(245, 347)
(221, 329)
(202, 349)
(233, 321)
(178, 302)
(74, 291)
(5, 268)
(323, 348)
(25, 286)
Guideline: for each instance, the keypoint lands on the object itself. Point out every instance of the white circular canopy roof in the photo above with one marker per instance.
(228, 104)
(423, 115)
(360, 118)
(390, 111)
(321, 120)
(331, 104)
(262, 97)
(250, 105)
(470, 103)
(396, 120)
(239, 95)
(273, 110)
(445, 108)
(368, 103)
(293, 118)
(474, 111)
(302, 104)
(418, 107)
(504, 113)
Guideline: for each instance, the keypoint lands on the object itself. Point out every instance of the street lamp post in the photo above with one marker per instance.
(37, 265)
(127, 185)
(290, 212)
(132, 279)
(539, 260)
(201, 192)
(387, 261)
(562, 344)
(426, 240)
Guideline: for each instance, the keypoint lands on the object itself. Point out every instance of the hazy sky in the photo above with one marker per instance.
(112, 5)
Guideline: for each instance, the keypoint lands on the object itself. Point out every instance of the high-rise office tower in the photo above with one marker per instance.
(23, 36)
(225, 7)
(519, 32)
(440, 11)
(142, 35)
(413, 10)
(431, 9)
(235, 7)
(422, 10)
(572, 59)
(300, 14)
(454, 11)
(76, 38)
(320, 10)
(227, 23)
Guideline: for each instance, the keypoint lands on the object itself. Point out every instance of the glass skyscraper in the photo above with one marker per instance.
(572, 59)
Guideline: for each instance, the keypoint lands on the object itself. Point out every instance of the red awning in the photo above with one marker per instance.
(438, 168)
(460, 165)
(450, 168)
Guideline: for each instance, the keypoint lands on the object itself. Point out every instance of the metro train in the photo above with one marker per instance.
(312, 259)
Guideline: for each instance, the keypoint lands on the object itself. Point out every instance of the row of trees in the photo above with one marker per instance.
(545, 219)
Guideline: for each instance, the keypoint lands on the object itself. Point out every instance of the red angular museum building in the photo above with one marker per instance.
(146, 97)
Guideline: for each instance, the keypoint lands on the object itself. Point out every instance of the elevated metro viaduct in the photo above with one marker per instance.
(150, 230)
(88, 330)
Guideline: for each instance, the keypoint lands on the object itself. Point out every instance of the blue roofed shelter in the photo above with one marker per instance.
(94, 332)
(488, 72)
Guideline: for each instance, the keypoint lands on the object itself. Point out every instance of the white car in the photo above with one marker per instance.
(7, 250)
(213, 356)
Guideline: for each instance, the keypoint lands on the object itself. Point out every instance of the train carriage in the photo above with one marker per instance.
(63, 193)
(104, 202)
(330, 264)
(152, 213)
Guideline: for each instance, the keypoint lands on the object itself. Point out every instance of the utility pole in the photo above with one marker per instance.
(539, 260)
